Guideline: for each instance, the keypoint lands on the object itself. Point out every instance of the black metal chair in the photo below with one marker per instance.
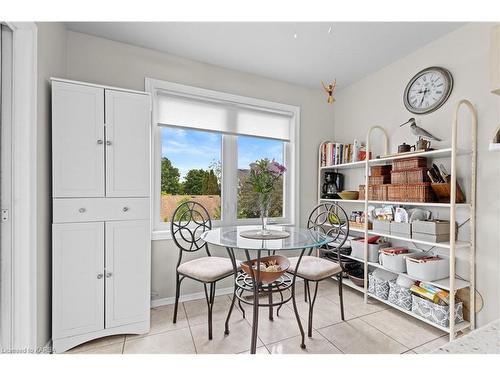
(331, 219)
(189, 221)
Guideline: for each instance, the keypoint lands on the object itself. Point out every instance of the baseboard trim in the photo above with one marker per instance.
(188, 297)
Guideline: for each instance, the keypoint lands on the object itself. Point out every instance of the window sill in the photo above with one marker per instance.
(160, 235)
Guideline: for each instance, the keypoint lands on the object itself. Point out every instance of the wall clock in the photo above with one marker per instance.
(428, 90)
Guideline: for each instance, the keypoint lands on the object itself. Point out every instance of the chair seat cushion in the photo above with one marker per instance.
(314, 268)
(207, 269)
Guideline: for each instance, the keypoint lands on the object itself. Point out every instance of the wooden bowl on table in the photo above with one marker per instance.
(349, 194)
(267, 277)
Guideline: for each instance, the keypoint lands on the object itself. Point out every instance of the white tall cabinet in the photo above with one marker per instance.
(101, 242)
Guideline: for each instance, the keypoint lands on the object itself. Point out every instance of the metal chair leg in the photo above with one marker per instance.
(306, 287)
(210, 296)
(341, 297)
(311, 307)
(177, 293)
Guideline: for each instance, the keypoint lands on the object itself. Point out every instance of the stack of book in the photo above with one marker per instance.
(333, 153)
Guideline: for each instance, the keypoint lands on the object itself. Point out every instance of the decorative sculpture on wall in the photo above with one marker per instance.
(329, 90)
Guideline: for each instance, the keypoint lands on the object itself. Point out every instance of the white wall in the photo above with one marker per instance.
(51, 62)
(103, 61)
(377, 100)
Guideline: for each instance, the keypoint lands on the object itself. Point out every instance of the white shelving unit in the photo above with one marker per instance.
(452, 283)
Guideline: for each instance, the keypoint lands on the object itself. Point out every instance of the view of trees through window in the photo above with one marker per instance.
(191, 169)
(249, 150)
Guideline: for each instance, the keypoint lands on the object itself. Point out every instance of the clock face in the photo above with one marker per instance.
(428, 90)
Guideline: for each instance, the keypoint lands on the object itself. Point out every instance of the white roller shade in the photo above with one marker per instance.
(222, 116)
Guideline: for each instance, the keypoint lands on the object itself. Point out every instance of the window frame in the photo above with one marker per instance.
(229, 153)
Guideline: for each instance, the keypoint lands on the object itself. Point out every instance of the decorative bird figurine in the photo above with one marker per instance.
(329, 90)
(418, 131)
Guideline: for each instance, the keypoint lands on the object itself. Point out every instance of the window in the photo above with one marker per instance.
(204, 142)
(190, 170)
(249, 150)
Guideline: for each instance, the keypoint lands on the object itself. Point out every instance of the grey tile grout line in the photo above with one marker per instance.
(331, 342)
(418, 346)
(189, 326)
(385, 334)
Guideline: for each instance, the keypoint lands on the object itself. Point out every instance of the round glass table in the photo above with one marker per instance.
(299, 239)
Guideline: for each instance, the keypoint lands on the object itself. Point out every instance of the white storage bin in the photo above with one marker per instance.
(383, 226)
(397, 262)
(401, 229)
(358, 249)
(436, 313)
(428, 271)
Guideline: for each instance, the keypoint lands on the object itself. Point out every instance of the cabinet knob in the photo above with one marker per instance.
(99, 276)
(108, 143)
(100, 142)
(109, 274)
(82, 210)
(125, 209)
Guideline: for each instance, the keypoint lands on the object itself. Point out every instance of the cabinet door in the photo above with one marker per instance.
(127, 144)
(128, 272)
(77, 140)
(78, 278)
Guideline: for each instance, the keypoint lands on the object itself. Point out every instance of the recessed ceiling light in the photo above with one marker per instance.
(295, 36)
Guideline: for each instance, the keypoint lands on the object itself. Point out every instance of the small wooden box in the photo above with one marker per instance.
(443, 192)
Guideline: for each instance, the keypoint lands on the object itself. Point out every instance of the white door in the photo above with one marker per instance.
(128, 265)
(77, 140)
(78, 278)
(127, 144)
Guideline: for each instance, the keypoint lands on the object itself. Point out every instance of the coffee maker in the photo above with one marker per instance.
(333, 183)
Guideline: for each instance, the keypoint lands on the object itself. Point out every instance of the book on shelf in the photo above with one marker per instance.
(334, 153)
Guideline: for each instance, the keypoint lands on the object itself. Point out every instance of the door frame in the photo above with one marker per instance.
(24, 187)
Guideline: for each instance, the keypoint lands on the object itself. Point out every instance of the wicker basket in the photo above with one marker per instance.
(398, 177)
(410, 176)
(409, 163)
(396, 193)
(379, 192)
(418, 192)
(379, 180)
(381, 170)
(375, 192)
(417, 175)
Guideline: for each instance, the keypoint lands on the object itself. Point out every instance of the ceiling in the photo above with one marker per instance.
(302, 53)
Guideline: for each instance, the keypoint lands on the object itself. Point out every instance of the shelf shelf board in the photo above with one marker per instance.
(356, 164)
(443, 152)
(443, 283)
(342, 200)
(458, 327)
(422, 204)
(394, 203)
(444, 245)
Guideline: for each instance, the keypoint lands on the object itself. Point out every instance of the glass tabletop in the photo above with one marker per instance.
(299, 238)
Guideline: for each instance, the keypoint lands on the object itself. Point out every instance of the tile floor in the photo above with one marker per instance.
(370, 328)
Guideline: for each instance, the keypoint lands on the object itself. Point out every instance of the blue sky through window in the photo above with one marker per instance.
(194, 149)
